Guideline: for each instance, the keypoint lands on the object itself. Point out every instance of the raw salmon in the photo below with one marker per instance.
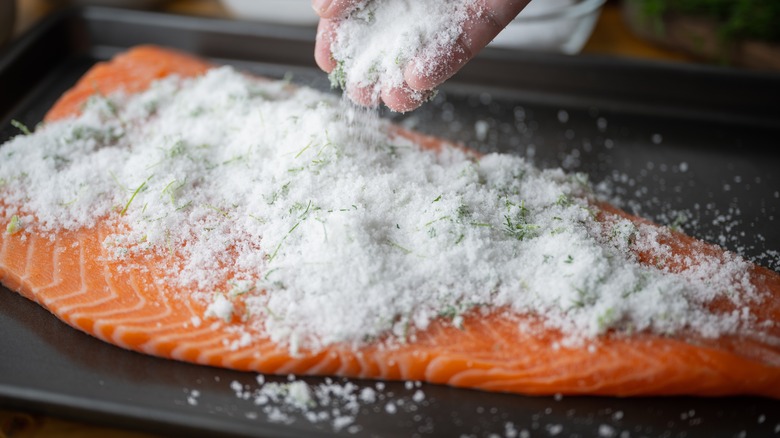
(73, 277)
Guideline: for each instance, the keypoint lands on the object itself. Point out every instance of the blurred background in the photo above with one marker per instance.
(735, 33)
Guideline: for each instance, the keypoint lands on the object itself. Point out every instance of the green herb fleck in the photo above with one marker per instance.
(563, 201)
(391, 243)
(436, 220)
(218, 210)
(170, 190)
(276, 251)
(14, 226)
(606, 319)
(556, 231)
(135, 193)
(463, 211)
(518, 228)
(21, 126)
(303, 150)
(679, 221)
(338, 77)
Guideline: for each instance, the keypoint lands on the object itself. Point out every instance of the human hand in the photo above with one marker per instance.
(485, 19)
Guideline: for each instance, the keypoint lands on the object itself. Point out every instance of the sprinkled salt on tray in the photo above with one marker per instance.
(327, 224)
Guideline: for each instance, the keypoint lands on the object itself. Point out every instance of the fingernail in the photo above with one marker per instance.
(320, 6)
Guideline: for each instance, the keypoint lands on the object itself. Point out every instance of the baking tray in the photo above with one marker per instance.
(658, 138)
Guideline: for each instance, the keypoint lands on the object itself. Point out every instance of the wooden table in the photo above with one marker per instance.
(611, 37)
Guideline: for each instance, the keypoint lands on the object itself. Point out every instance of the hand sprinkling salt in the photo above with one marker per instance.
(399, 51)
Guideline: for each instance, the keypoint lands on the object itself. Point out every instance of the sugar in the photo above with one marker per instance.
(327, 227)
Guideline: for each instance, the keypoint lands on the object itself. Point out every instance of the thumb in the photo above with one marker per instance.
(321, 6)
(334, 8)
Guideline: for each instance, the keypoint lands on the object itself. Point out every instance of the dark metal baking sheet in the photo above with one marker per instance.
(662, 139)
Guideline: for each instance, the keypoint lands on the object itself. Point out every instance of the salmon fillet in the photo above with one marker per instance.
(73, 278)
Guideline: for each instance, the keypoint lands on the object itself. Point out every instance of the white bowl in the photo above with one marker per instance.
(297, 12)
(562, 26)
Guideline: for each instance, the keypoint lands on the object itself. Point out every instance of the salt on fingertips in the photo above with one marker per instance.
(380, 39)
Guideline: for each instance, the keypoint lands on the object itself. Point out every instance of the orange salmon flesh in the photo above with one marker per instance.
(73, 278)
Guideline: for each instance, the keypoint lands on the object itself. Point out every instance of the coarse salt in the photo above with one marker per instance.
(380, 39)
(330, 227)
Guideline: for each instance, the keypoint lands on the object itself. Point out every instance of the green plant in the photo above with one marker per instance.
(738, 19)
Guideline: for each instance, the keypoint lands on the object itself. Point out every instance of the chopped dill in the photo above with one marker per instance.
(606, 319)
(276, 251)
(581, 179)
(556, 231)
(218, 210)
(135, 193)
(449, 312)
(234, 159)
(436, 220)
(299, 206)
(563, 201)
(268, 274)
(21, 127)
(281, 192)
(463, 211)
(338, 77)
(392, 243)
(178, 148)
(14, 226)
(304, 149)
(681, 219)
(170, 190)
(240, 288)
(519, 229)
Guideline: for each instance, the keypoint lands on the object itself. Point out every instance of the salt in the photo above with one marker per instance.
(382, 38)
(328, 227)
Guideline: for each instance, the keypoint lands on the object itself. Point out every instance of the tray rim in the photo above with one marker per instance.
(759, 109)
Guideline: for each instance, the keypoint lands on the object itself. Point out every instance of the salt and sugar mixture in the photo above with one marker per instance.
(330, 227)
(380, 39)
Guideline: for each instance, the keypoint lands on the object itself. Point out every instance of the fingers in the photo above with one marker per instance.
(322, 53)
(364, 96)
(333, 8)
(403, 98)
(422, 76)
(399, 99)
(486, 19)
